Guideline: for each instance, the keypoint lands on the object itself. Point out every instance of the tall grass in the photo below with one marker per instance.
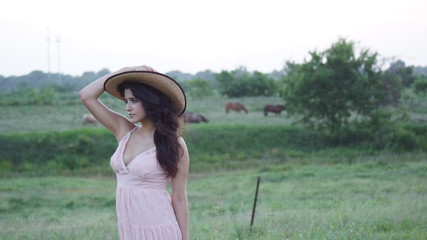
(212, 147)
(216, 146)
(370, 200)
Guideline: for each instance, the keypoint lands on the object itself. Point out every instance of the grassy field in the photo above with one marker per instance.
(337, 193)
(67, 114)
(370, 200)
(61, 117)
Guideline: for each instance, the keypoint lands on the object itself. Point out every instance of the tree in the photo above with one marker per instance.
(391, 88)
(240, 82)
(420, 86)
(333, 86)
(225, 80)
(198, 88)
(404, 73)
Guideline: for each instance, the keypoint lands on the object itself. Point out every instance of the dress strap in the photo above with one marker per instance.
(125, 138)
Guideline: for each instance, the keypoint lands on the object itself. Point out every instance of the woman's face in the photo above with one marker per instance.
(134, 107)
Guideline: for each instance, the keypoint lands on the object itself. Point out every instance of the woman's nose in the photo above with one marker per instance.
(128, 107)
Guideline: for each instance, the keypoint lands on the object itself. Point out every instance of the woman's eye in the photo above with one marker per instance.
(134, 101)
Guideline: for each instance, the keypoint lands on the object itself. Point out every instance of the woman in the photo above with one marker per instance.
(149, 151)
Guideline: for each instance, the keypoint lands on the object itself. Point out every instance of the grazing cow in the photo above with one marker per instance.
(190, 117)
(277, 109)
(89, 120)
(236, 106)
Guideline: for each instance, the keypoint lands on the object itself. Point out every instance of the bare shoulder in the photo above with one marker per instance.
(184, 149)
(182, 142)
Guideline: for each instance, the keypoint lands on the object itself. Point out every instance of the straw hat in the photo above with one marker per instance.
(164, 83)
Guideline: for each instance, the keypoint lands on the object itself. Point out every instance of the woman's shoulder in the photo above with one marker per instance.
(182, 142)
(126, 130)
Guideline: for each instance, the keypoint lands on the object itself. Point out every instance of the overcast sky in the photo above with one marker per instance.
(195, 35)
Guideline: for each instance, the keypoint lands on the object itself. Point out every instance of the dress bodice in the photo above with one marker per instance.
(143, 171)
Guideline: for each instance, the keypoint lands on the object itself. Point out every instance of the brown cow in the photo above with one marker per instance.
(277, 109)
(190, 117)
(236, 106)
(89, 120)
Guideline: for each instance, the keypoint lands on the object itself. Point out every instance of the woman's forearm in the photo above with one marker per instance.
(182, 216)
(94, 89)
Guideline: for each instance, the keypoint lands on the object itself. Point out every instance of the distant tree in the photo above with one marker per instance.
(390, 87)
(333, 86)
(37, 76)
(102, 72)
(420, 86)
(225, 80)
(179, 76)
(261, 84)
(88, 75)
(277, 74)
(198, 88)
(240, 82)
(207, 75)
(43, 96)
(419, 70)
(403, 72)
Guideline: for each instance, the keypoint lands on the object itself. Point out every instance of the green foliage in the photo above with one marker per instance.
(214, 146)
(239, 83)
(390, 88)
(40, 80)
(67, 150)
(334, 86)
(404, 73)
(44, 96)
(420, 86)
(198, 88)
(385, 132)
(79, 149)
(29, 96)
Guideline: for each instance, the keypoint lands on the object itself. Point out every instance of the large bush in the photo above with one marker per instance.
(337, 87)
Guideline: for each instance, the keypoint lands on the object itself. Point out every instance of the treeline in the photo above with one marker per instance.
(64, 82)
(243, 83)
(38, 79)
(337, 89)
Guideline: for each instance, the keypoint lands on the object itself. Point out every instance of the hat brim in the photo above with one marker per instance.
(163, 83)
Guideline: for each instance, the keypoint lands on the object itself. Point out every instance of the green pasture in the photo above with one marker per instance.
(67, 115)
(378, 199)
(54, 186)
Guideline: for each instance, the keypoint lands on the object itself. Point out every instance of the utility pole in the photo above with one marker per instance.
(48, 52)
(58, 41)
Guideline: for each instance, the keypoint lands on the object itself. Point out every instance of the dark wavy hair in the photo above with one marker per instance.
(164, 115)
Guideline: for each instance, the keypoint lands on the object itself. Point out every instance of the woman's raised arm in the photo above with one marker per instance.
(116, 123)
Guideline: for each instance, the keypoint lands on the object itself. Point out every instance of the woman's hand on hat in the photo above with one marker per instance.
(138, 68)
(135, 68)
(145, 68)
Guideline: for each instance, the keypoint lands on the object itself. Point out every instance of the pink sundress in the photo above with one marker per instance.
(144, 208)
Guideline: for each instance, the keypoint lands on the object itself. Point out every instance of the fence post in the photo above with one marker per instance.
(255, 201)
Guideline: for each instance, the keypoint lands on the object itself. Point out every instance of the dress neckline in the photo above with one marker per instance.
(126, 140)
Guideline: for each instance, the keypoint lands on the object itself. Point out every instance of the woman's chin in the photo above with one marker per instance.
(133, 120)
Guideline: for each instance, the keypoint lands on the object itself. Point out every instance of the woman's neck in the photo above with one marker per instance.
(147, 128)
